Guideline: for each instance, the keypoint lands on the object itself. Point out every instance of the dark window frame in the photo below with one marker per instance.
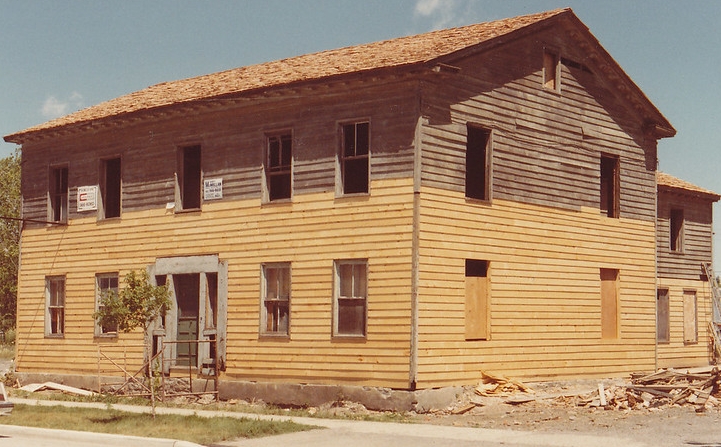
(353, 305)
(354, 157)
(676, 226)
(610, 185)
(111, 187)
(279, 166)
(275, 310)
(478, 162)
(189, 178)
(59, 194)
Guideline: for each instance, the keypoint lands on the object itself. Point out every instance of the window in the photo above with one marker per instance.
(354, 157)
(189, 178)
(59, 194)
(351, 285)
(662, 316)
(690, 317)
(55, 309)
(106, 284)
(676, 220)
(477, 300)
(110, 193)
(609, 303)
(278, 167)
(275, 313)
(610, 185)
(551, 71)
(478, 163)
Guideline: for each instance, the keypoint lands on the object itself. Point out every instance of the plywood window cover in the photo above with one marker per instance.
(477, 300)
(690, 317)
(663, 333)
(609, 303)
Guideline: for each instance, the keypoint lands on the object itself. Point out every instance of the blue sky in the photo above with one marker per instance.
(59, 56)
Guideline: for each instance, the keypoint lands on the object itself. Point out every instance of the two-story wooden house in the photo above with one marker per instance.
(684, 297)
(402, 214)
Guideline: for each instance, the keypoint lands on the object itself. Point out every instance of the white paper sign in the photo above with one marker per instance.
(213, 189)
(87, 198)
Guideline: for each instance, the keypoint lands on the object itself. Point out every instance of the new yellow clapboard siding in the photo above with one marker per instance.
(676, 353)
(310, 233)
(537, 256)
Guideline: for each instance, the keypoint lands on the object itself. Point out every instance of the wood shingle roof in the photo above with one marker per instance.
(400, 52)
(667, 181)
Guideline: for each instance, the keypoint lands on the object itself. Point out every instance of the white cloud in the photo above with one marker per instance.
(54, 107)
(444, 13)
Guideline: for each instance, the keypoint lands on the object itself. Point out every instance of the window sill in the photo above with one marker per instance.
(113, 336)
(476, 201)
(55, 336)
(277, 202)
(274, 337)
(188, 211)
(349, 338)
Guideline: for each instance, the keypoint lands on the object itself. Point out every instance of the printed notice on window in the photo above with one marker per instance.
(213, 189)
(87, 198)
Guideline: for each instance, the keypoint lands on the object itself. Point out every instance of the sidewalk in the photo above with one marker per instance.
(337, 432)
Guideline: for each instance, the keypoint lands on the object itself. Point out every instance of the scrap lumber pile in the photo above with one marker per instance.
(663, 388)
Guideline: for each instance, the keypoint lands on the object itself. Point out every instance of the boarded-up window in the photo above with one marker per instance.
(690, 317)
(662, 316)
(351, 295)
(278, 167)
(355, 157)
(609, 303)
(55, 306)
(58, 192)
(189, 177)
(551, 71)
(676, 220)
(478, 163)
(110, 188)
(275, 314)
(610, 186)
(477, 300)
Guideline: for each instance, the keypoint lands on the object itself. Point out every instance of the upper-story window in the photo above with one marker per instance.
(355, 157)
(58, 192)
(189, 178)
(610, 185)
(110, 188)
(278, 167)
(478, 163)
(551, 70)
(676, 227)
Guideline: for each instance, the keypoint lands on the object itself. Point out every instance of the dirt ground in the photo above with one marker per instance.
(558, 407)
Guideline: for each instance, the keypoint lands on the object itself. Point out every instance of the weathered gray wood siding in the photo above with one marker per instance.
(697, 235)
(232, 138)
(546, 144)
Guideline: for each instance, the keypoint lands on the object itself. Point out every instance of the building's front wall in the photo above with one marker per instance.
(544, 239)
(316, 227)
(681, 277)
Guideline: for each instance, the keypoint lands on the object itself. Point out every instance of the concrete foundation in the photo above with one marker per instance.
(289, 394)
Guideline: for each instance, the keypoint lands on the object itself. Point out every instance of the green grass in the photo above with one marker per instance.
(188, 428)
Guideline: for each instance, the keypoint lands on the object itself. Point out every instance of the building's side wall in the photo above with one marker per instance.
(682, 270)
(542, 232)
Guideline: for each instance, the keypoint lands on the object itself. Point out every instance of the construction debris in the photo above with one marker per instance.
(663, 388)
(499, 386)
(52, 386)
